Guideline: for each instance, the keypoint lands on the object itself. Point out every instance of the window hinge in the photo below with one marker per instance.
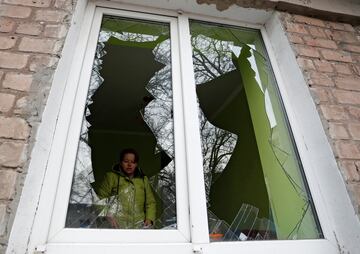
(40, 249)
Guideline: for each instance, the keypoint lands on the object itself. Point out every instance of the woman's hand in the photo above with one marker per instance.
(148, 223)
(112, 222)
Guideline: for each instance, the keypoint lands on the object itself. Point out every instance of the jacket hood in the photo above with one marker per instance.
(118, 170)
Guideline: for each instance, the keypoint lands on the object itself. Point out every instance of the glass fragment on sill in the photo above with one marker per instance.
(245, 226)
(152, 125)
(237, 95)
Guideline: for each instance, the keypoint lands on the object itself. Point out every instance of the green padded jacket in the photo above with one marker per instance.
(130, 200)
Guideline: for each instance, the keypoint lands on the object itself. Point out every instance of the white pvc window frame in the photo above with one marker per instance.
(193, 226)
(48, 232)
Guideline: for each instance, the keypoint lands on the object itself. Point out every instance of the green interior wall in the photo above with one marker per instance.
(286, 203)
(242, 181)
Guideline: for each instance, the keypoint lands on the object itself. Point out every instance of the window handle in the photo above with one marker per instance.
(197, 249)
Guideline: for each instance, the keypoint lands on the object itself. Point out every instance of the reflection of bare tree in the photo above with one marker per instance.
(211, 59)
(217, 148)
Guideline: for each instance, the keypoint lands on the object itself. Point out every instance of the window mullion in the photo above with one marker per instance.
(197, 198)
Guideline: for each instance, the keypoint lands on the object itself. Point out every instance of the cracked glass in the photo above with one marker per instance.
(128, 105)
(254, 182)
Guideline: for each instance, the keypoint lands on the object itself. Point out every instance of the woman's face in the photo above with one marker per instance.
(129, 164)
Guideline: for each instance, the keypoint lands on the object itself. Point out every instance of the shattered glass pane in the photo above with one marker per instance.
(129, 105)
(254, 184)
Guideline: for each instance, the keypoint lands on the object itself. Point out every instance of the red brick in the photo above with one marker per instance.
(305, 64)
(64, 4)
(323, 43)
(356, 69)
(55, 31)
(41, 62)
(13, 60)
(29, 28)
(296, 28)
(6, 25)
(354, 130)
(347, 97)
(14, 128)
(317, 32)
(34, 3)
(334, 112)
(354, 188)
(295, 38)
(20, 105)
(320, 94)
(323, 66)
(307, 51)
(342, 68)
(349, 83)
(309, 21)
(347, 150)
(342, 36)
(349, 28)
(12, 154)
(338, 131)
(50, 15)
(336, 26)
(354, 112)
(356, 57)
(350, 170)
(333, 55)
(320, 79)
(351, 48)
(341, 26)
(17, 81)
(38, 45)
(15, 11)
(7, 42)
(7, 183)
(3, 220)
(6, 102)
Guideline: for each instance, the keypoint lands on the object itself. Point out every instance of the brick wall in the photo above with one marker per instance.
(31, 36)
(329, 56)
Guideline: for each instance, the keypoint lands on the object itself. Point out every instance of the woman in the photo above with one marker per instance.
(132, 203)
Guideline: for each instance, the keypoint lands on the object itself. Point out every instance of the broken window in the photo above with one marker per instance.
(255, 189)
(254, 183)
(129, 105)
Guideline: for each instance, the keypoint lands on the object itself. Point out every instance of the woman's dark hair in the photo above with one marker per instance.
(129, 150)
